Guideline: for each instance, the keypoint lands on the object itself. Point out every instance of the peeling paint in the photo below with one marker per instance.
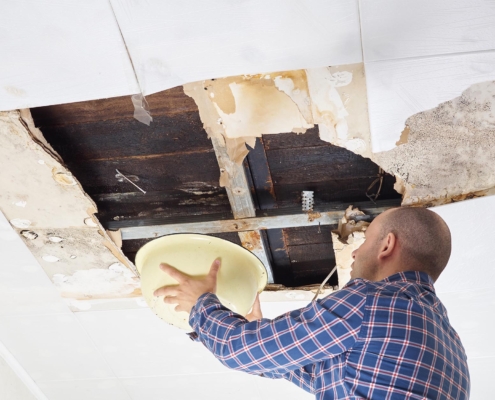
(236, 110)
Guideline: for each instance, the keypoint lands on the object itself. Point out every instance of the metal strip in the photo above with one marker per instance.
(243, 225)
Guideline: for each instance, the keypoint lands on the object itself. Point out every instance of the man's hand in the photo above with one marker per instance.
(255, 313)
(189, 289)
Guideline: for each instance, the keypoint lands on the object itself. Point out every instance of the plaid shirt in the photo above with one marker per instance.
(370, 340)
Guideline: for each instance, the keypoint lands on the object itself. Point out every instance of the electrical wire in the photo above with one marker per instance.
(323, 283)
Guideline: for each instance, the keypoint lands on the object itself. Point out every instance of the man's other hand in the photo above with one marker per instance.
(255, 313)
(189, 289)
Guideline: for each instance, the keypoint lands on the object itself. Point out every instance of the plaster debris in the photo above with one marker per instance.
(50, 258)
(64, 178)
(99, 283)
(90, 222)
(60, 214)
(351, 222)
(141, 109)
(20, 223)
(20, 204)
(349, 235)
(446, 154)
(29, 234)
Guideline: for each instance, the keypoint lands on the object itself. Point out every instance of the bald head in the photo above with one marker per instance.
(423, 235)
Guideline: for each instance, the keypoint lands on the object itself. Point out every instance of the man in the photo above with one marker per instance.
(384, 335)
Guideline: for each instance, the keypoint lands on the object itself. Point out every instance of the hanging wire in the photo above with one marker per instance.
(323, 283)
(379, 181)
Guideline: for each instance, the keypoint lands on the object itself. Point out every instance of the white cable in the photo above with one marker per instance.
(323, 283)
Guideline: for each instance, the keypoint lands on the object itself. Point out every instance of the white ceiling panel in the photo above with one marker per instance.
(52, 347)
(394, 29)
(481, 370)
(176, 42)
(471, 265)
(468, 316)
(398, 89)
(94, 389)
(223, 386)
(138, 343)
(61, 52)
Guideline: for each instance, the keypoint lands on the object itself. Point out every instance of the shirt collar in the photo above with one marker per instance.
(417, 277)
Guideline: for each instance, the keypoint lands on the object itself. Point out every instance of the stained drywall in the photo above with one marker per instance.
(237, 109)
(49, 209)
(447, 154)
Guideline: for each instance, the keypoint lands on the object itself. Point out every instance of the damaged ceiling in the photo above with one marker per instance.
(240, 147)
(392, 96)
(175, 163)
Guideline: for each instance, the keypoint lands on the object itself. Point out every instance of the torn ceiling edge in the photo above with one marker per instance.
(444, 155)
(447, 154)
(47, 206)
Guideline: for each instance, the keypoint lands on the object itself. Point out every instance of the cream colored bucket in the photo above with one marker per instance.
(241, 274)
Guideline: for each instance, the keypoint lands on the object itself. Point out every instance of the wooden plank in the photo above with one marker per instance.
(159, 205)
(169, 102)
(281, 266)
(238, 189)
(290, 140)
(309, 272)
(126, 138)
(261, 176)
(157, 172)
(309, 235)
(317, 164)
(311, 252)
(242, 225)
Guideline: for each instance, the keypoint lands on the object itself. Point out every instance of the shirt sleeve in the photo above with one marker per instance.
(323, 329)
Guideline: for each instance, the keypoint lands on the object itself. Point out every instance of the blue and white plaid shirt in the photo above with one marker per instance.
(370, 340)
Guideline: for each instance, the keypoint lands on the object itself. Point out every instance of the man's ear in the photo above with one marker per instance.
(387, 246)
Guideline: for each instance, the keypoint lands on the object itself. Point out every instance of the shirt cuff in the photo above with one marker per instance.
(203, 301)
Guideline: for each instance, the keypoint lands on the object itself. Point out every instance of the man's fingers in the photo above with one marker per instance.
(214, 268)
(166, 291)
(171, 300)
(173, 272)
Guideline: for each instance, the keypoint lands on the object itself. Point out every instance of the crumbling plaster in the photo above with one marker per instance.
(50, 211)
(445, 154)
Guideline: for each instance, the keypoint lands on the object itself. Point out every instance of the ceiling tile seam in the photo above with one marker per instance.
(126, 48)
(120, 378)
(361, 31)
(40, 314)
(453, 54)
(21, 373)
